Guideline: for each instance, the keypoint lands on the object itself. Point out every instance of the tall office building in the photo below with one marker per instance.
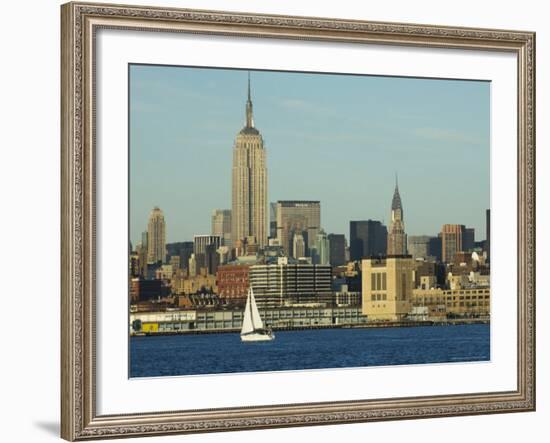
(200, 242)
(434, 247)
(337, 248)
(298, 217)
(204, 247)
(468, 239)
(367, 238)
(397, 239)
(451, 241)
(322, 249)
(249, 183)
(221, 225)
(156, 236)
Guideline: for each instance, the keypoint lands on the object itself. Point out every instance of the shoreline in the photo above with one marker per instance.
(373, 325)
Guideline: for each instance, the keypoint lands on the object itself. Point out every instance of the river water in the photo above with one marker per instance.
(308, 349)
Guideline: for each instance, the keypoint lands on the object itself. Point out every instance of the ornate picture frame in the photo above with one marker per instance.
(80, 23)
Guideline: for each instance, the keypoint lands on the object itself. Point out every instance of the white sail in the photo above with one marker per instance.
(253, 326)
(248, 325)
(256, 319)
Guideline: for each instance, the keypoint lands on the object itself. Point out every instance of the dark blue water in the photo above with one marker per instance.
(309, 349)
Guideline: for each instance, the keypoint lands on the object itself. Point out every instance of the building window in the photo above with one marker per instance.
(373, 282)
(384, 281)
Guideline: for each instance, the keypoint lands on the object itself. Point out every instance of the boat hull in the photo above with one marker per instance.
(255, 336)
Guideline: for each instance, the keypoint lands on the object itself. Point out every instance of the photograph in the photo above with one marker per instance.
(289, 221)
(285, 217)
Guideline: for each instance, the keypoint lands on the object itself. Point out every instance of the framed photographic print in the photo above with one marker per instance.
(282, 221)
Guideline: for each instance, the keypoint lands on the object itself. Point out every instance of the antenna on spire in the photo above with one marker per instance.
(249, 86)
(249, 116)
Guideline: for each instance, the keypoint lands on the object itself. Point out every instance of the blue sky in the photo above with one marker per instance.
(339, 139)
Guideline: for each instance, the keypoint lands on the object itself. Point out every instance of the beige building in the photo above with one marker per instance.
(387, 285)
(454, 302)
(249, 183)
(192, 266)
(192, 285)
(433, 299)
(427, 282)
(221, 225)
(156, 236)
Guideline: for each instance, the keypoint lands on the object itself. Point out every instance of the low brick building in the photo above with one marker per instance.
(233, 282)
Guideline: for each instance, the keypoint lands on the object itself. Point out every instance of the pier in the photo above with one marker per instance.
(279, 319)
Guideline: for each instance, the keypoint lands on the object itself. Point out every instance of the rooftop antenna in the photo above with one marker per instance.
(249, 116)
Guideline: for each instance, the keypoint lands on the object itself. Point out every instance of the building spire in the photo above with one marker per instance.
(249, 116)
(249, 87)
(396, 201)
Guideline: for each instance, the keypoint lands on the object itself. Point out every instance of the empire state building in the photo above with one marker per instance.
(249, 182)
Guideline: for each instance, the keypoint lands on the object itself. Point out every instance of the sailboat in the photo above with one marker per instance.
(253, 327)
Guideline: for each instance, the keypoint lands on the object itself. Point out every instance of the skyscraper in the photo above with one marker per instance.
(200, 242)
(397, 239)
(156, 236)
(434, 247)
(205, 246)
(451, 241)
(337, 247)
(468, 239)
(298, 217)
(367, 238)
(249, 183)
(322, 249)
(221, 225)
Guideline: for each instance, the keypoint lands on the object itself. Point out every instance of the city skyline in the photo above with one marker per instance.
(292, 122)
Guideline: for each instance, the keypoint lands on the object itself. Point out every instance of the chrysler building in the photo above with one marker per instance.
(397, 239)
